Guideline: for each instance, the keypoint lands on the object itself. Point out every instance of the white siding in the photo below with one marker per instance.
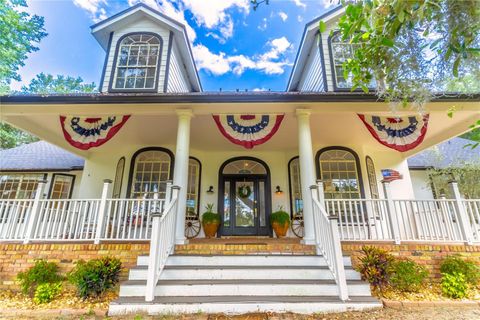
(177, 75)
(143, 25)
(421, 184)
(332, 25)
(312, 76)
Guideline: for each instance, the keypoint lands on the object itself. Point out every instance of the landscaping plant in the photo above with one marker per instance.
(42, 272)
(280, 221)
(455, 264)
(94, 277)
(408, 276)
(46, 292)
(454, 285)
(375, 266)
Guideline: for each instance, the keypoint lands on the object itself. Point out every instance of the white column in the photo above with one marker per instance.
(180, 173)
(101, 210)
(307, 171)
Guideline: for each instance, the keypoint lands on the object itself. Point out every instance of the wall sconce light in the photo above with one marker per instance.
(278, 190)
(210, 190)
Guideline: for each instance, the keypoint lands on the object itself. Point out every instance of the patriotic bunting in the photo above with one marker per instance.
(85, 133)
(399, 133)
(248, 130)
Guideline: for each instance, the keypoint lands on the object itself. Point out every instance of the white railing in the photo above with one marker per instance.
(13, 219)
(473, 216)
(327, 241)
(162, 242)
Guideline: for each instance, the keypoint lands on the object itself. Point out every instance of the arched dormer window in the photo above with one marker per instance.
(136, 63)
(340, 51)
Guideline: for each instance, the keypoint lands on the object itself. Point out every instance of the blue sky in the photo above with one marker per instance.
(234, 46)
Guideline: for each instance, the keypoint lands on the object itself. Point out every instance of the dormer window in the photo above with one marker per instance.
(340, 51)
(136, 63)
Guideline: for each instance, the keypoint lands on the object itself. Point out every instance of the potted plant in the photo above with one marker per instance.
(210, 221)
(280, 222)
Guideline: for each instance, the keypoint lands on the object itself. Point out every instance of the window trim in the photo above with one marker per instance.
(134, 158)
(290, 184)
(333, 72)
(368, 158)
(52, 182)
(114, 64)
(23, 173)
(357, 162)
(199, 182)
(121, 178)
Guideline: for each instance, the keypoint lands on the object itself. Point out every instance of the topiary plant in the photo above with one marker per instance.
(408, 276)
(41, 272)
(375, 266)
(209, 216)
(455, 264)
(281, 217)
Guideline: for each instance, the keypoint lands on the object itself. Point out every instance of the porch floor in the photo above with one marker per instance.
(244, 246)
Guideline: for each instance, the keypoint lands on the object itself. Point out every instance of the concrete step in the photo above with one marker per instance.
(240, 304)
(265, 287)
(245, 260)
(202, 272)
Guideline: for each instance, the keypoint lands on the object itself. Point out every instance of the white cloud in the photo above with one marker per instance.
(299, 3)
(259, 89)
(283, 16)
(93, 7)
(330, 3)
(300, 18)
(263, 26)
(270, 62)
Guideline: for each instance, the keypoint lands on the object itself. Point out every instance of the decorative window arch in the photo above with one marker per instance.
(193, 187)
(295, 186)
(150, 170)
(117, 183)
(340, 51)
(137, 62)
(372, 178)
(244, 166)
(339, 169)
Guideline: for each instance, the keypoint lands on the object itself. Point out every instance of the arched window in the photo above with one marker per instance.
(372, 178)
(340, 51)
(244, 166)
(137, 61)
(117, 183)
(193, 188)
(295, 187)
(150, 170)
(339, 170)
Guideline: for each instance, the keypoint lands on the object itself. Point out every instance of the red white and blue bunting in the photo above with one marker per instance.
(248, 130)
(399, 133)
(88, 132)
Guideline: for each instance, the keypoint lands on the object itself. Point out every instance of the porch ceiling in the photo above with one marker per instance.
(154, 125)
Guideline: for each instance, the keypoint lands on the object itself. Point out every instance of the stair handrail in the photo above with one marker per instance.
(327, 241)
(162, 242)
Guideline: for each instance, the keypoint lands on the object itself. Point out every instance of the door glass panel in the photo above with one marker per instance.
(226, 204)
(245, 205)
(261, 207)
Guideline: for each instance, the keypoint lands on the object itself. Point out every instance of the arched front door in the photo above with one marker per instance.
(244, 197)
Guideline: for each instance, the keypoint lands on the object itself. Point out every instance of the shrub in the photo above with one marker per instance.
(46, 292)
(41, 272)
(281, 217)
(408, 276)
(454, 285)
(469, 269)
(94, 277)
(209, 216)
(375, 266)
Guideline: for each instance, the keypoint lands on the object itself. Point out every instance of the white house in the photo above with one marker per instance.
(152, 123)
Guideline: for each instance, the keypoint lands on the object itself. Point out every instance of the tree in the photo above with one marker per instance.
(47, 84)
(19, 34)
(42, 84)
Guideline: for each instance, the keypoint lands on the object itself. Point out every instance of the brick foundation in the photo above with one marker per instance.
(18, 257)
(429, 255)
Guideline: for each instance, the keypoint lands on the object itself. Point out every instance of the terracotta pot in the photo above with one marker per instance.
(210, 229)
(280, 229)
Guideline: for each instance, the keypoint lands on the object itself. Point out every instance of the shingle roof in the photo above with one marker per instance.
(39, 156)
(450, 153)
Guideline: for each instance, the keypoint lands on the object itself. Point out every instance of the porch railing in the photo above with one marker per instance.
(327, 242)
(162, 241)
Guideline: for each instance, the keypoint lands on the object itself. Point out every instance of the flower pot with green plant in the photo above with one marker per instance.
(280, 222)
(210, 221)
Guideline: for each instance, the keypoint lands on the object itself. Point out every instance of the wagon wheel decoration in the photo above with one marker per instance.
(192, 225)
(297, 225)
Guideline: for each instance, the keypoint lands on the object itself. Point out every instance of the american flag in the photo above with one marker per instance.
(391, 175)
